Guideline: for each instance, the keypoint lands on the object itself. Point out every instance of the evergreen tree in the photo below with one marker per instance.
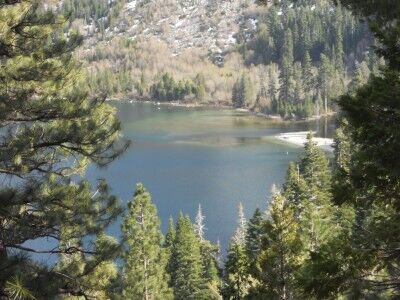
(314, 167)
(308, 75)
(103, 274)
(236, 272)
(299, 91)
(236, 95)
(243, 92)
(281, 253)
(342, 186)
(339, 43)
(295, 188)
(369, 175)
(254, 234)
(325, 80)
(209, 253)
(286, 92)
(170, 236)
(360, 77)
(314, 205)
(51, 129)
(168, 245)
(186, 276)
(210, 270)
(237, 279)
(145, 260)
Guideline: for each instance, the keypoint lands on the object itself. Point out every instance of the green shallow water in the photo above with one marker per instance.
(191, 156)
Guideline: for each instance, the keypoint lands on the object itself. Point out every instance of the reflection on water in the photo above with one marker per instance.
(186, 156)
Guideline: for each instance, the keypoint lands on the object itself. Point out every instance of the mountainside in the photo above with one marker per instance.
(184, 24)
(291, 60)
(181, 24)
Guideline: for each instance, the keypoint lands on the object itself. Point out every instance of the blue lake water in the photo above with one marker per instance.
(191, 156)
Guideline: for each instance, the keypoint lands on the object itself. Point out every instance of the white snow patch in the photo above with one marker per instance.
(131, 5)
(300, 138)
(179, 23)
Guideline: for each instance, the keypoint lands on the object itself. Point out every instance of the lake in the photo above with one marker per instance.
(191, 156)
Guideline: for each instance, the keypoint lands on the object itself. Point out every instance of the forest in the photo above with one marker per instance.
(300, 56)
(331, 231)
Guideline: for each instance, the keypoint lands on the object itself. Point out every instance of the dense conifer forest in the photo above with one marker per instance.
(331, 231)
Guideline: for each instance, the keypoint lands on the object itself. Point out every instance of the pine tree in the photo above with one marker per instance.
(209, 253)
(186, 276)
(314, 206)
(314, 167)
(210, 270)
(237, 279)
(254, 234)
(236, 272)
(308, 75)
(325, 80)
(339, 54)
(145, 260)
(342, 186)
(236, 96)
(170, 236)
(372, 112)
(243, 92)
(168, 246)
(51, 130)
(286, 92)
(281, 254)
(104, 273)
(295, 188)
(360, 76)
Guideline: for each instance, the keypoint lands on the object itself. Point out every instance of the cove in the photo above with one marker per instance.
(191, 156)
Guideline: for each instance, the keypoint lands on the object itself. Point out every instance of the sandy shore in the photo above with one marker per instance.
(299, 139)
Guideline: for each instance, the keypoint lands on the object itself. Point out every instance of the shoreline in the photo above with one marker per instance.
(221, 106)
(299, 138)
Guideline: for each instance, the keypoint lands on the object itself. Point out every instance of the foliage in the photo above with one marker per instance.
(254, 236)
(186, 262)
(166, 89)
(368, 176)
(242, 92)
(316, 46)
(51, 129)
(237, 279)
(281, 253)
(145, 259)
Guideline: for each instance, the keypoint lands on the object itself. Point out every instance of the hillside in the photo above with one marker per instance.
(292, 61)
(182, 24)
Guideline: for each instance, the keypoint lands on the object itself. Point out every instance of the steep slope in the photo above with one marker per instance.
(187, 23)
(181, 24)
